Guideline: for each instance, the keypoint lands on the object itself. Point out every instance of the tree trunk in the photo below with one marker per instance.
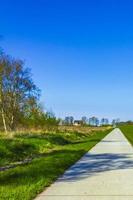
(4, 121)
(12, 123)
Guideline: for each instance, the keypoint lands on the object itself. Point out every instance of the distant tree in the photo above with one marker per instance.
(104, 121)
(50, 114)
(97, 122)
(84, 120)
(51, 119)
(69, 120)
(113, 122)
(129, 122)
(94, 121)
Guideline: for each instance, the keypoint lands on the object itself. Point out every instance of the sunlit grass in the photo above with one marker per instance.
(25, 182)
(128, 132)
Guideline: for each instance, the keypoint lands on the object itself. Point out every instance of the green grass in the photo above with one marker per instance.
(128, 132)
(59, 151)
(26, 145)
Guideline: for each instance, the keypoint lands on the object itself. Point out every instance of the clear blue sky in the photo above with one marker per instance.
(80, 52)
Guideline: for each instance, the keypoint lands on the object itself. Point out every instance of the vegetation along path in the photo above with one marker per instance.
(51, 154)
(104, 173)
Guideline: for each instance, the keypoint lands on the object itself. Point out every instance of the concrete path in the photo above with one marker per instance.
(104, 173)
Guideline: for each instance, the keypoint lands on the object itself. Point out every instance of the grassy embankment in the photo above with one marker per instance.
(53, 153)
(128, 132)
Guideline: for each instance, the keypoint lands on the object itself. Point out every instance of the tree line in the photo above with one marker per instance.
(19, 97)
(92, 121)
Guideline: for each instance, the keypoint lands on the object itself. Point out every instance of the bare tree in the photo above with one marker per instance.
(16, 88)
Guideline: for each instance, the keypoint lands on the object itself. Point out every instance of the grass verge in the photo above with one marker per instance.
(128, 132)
(25, 182)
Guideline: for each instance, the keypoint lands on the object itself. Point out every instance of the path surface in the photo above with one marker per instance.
(104, 173)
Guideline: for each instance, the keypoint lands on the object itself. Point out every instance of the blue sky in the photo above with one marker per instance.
(80, 53)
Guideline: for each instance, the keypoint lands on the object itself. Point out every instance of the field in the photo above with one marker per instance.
(128, 132)
(50, 154)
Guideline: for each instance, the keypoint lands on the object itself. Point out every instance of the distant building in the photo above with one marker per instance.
(77, 122)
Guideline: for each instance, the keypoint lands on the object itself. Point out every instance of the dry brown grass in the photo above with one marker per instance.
(82, 129)
(54, 130)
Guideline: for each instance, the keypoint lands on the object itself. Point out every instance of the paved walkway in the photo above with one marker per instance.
(104, 173)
